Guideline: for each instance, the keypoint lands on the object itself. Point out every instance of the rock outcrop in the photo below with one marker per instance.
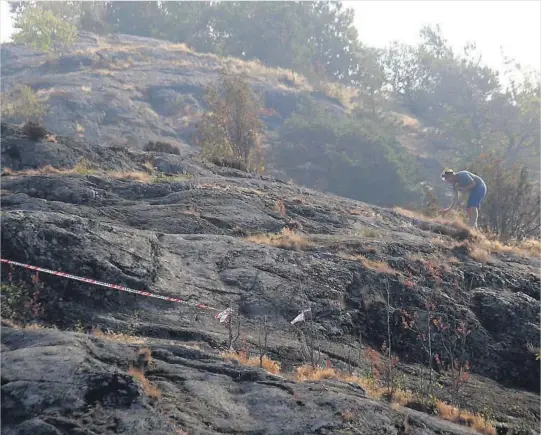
(204, 234)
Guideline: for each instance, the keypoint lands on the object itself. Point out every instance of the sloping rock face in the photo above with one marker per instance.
(186, 237)
(126, 90)
(56, 382)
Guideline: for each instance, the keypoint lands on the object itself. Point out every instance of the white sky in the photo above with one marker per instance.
(513, 25)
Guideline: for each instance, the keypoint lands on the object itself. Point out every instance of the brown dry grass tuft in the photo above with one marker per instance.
(347, 415)
(400, 397)
(478, 254)
(474, 421)
(45, 170)
(373, 390)
(280, 208)
(376, 266)
(139, 176)
(524, 247)
(149, 166)
(453, 219)
(116, 336)
(150, 390)
(345, 94)
(144, 354)
(286, 239)
(268, 364)
(30, 326)
(480, 244)
(85, 168)
(298, 200)
(50, 138)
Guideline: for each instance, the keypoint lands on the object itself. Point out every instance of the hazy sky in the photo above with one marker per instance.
(513, 25)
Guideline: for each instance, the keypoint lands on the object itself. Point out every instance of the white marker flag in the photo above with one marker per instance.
(302, 316)
(223, 315)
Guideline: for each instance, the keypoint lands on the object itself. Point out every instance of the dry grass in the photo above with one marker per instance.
(474, 421)
(478, 254)
(45, 170)
(355, 211)
(453, 218)
(400, 397)
(149, 166)
(79, 128)
(347, 415)
(346, 95)
(286, 239)
(373, 390)
(367, 233)
(191, 211)
(524, 247)
(50, 138)
(253, 361)
(84, 167)
(86, 89)
(116, 336)
(144, 354)
(139, 176)
(150, 390)
(480, 244)
(407, 121)
(298, 200)
(30, 326)
(375, 265)
(280, 208)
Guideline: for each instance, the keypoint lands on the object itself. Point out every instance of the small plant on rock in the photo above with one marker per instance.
(229, 162)
(23, 103)
(161, 147)
(21, 302)
(34, 130)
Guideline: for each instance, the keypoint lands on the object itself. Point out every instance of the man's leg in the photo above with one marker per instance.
(473, 215)
(474, 201)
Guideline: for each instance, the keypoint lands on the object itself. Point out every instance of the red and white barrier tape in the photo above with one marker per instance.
(104, 284)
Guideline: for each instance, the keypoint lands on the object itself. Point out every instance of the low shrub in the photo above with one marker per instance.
(161, 147)
(230, 162)
(34, 130)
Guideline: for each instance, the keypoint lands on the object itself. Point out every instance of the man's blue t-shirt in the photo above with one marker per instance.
(466, 177)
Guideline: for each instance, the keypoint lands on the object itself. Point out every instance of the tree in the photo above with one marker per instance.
(86, 15)
(463, 100)
(356, 157)
(23, 103)
(43, 30)
(232, 128)
(511, 208)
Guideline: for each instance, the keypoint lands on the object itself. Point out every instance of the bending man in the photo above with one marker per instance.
(465, 181)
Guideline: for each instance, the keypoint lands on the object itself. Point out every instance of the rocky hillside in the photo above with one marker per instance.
(181, 227)
(125, 90)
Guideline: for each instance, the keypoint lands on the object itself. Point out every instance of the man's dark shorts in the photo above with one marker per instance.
(476, 196)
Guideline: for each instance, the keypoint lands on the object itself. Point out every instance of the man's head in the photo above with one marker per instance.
(448, 175)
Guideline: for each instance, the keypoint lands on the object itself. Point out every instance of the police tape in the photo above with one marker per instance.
(222, 315)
